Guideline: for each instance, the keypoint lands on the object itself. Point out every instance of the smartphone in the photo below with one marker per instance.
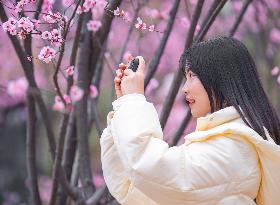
(133, 65)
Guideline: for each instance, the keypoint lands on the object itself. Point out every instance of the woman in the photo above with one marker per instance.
(232, 157)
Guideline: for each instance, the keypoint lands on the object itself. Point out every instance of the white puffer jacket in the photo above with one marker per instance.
(223, 162)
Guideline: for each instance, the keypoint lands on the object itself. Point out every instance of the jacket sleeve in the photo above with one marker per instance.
(170, 175)
(115, 173)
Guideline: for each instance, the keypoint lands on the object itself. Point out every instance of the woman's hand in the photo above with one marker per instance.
(127, 81)
(117, 81)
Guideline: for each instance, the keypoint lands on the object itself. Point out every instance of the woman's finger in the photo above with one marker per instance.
(117, 79)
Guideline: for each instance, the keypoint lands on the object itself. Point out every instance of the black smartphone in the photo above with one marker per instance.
(134, 64)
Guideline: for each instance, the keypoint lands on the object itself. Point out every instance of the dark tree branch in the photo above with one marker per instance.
(156, 59)
(71, 138)
(27, 68)
(95, 198)
(61, 54)
(178, 76)
(131, 27)
(81, 111)
(209, 13)
(31, 151)
(210, 21)
(239, 17)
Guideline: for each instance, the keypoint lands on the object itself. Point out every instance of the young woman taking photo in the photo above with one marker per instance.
(232, 157)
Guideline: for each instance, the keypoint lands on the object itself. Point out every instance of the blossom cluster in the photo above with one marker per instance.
(19, 6)
(22, 27)
(75, 95)
(140, 25)
(276, 71)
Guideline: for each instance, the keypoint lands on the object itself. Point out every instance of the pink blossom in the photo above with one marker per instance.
(152, 28)
(47, 5)
(22, 34)
(70, 70)
(275, 35)
(76, 93)
(10, 26)
(93, 25)
(46, 35)
(25, 24)
(17, 88)
(89, 4)
(275, 70)
(45, 187)
(59, 105)
(80, 9)
(47, 54)
(98, 180)
(140, 24)
(29, 58)
(278, 79)
(197, 29)
(93, 91)
(56, 37)
(119, 12)
(51, 17)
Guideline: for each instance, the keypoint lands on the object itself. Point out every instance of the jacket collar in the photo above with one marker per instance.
(219, 117)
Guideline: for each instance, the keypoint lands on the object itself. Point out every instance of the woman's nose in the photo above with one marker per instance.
(185, 89)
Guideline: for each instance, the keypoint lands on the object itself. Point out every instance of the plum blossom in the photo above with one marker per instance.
(47, 54)
(17, 88)
(47, 5)
(22, 34)
(278, 79)
(140, 24)
(275, 35)
(94, 25)
(18, 8)
(76, 93)
(275, 70)
(70, 70)
(197, 29)
(93, 91)
(152, 28)
(46, 35)
(98, 180)
(89, 4)
(51, 17)
(10, 26)
(25, 24)
(119, 12)
(59, 105)
(56, 37)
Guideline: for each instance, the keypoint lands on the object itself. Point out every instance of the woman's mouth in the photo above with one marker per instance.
(190, 101)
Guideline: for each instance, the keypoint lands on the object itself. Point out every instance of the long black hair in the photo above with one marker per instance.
(229, 74)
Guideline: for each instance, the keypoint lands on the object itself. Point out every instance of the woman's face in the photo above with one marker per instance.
(196, 95)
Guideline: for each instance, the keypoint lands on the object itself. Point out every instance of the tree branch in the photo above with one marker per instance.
(31, 151)
(156, 59)
(239, 17)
